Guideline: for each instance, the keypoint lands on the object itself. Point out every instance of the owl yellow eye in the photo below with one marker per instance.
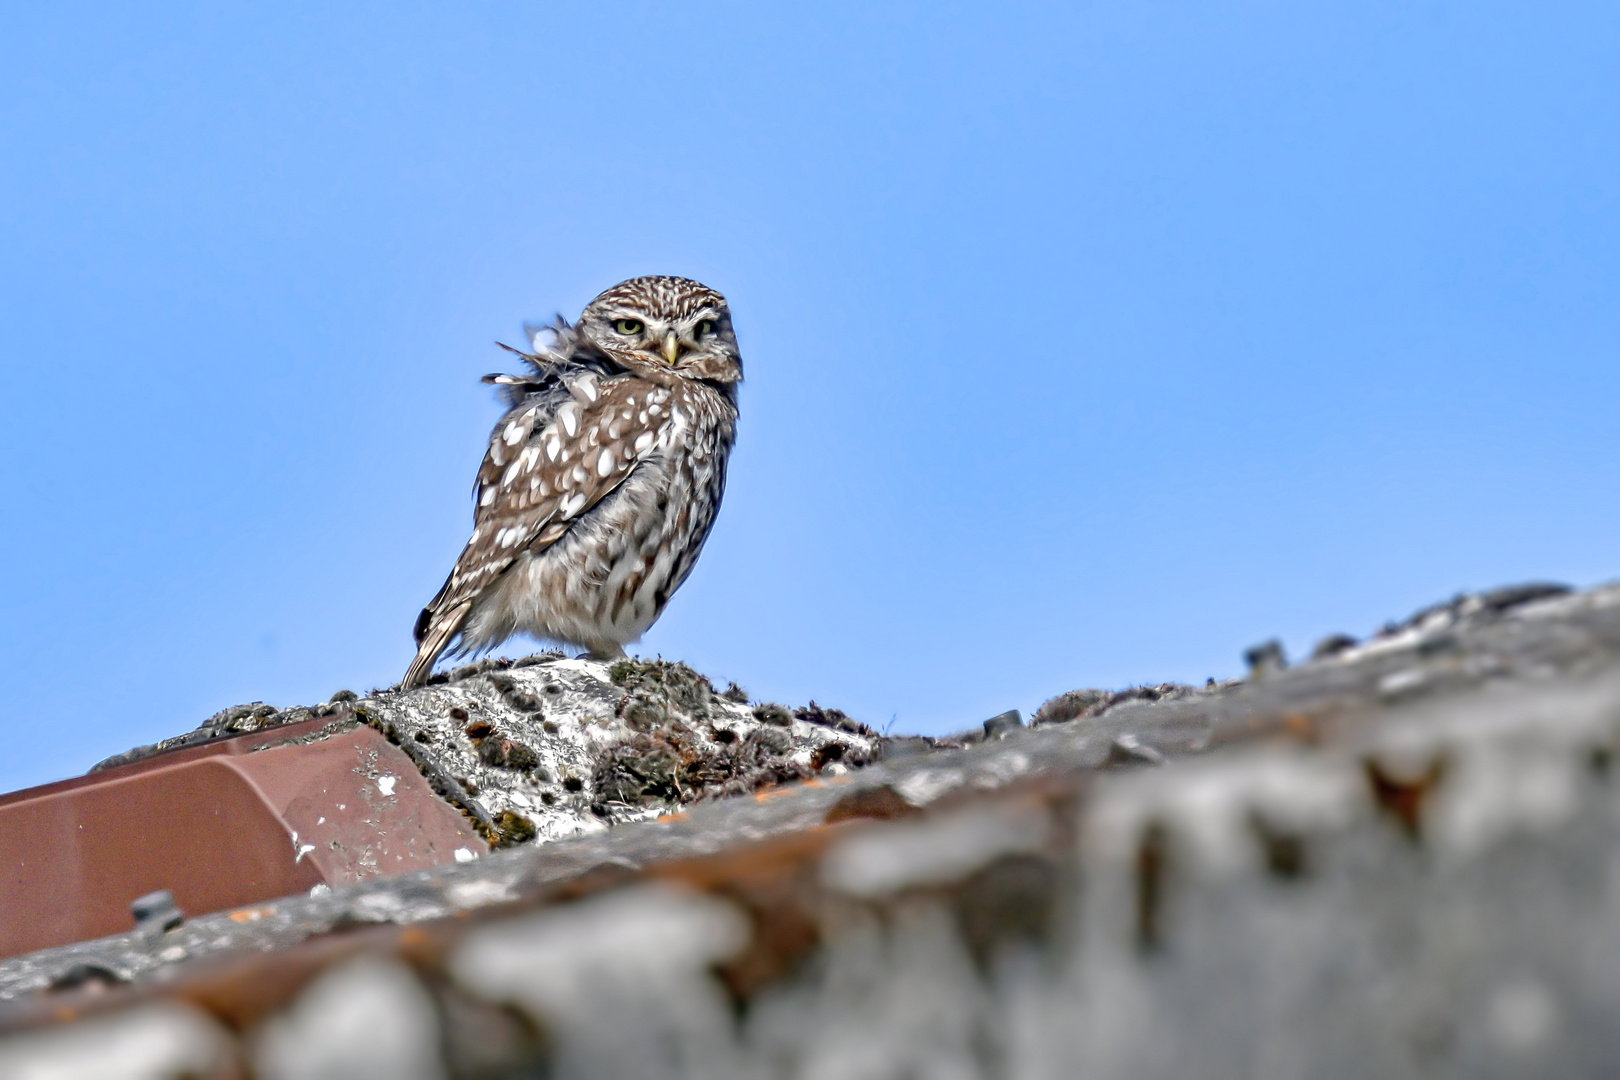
(705, 327)
(627, 327)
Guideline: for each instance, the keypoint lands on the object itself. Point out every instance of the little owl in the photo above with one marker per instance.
(601, 480)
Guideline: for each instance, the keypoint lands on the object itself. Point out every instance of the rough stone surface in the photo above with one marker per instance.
(1399, 859)
(547, 747)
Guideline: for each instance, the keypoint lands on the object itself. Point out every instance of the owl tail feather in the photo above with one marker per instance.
(438, 635)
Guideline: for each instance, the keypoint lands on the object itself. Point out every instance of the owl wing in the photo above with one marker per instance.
(547, 465)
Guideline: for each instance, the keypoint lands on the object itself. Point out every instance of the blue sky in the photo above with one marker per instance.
(1086, 344)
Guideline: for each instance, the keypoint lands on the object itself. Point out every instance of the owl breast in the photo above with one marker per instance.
(607, 579)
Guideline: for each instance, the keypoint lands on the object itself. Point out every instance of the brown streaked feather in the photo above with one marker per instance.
(527, 517)
(432, 643)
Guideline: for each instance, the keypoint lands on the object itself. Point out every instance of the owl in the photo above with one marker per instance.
(602, 479)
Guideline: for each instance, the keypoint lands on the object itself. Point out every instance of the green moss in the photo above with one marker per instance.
(515, 828)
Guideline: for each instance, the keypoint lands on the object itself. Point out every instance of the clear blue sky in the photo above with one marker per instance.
(1086, 343)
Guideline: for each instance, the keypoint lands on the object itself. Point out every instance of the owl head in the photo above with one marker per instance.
(662, 326)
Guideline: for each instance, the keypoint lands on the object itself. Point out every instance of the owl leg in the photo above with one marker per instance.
(605, 653)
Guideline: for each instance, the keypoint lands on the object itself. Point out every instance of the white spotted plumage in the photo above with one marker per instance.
(601, 482)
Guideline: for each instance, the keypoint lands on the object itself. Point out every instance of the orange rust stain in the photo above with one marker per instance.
(752, 866)
(773, 793)
(64, 1013)
(251, 914)
(1299, 724)
(679, 815)
(412, 936)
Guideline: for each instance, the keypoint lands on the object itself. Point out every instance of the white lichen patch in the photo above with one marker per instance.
(369, 1017)
(934, 851)
(1212, 809)
(573, 969)
(548, 747)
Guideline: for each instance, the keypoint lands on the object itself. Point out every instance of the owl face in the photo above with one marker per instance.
(662, 326)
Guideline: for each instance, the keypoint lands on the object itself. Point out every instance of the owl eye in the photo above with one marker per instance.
(705, 327)
(627, 327)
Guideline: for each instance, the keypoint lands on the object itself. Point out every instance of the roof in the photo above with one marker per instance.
(1390, 860)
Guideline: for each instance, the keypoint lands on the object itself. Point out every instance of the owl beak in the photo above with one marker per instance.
(672, 347)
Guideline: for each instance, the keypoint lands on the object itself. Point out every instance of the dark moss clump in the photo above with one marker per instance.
(512, 693)
(239, 718)
(641, 769)
(1086, 704)
(771, 713)
(836, 719)
(514, 828)
(498, 750)
(1074, 705)
(684, 767)
(540, 658)
(643, 713)
(477, 667)
(507, 754)
(654, 689)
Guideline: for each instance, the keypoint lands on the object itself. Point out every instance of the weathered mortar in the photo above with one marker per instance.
(1400, 860)
(547, 747)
